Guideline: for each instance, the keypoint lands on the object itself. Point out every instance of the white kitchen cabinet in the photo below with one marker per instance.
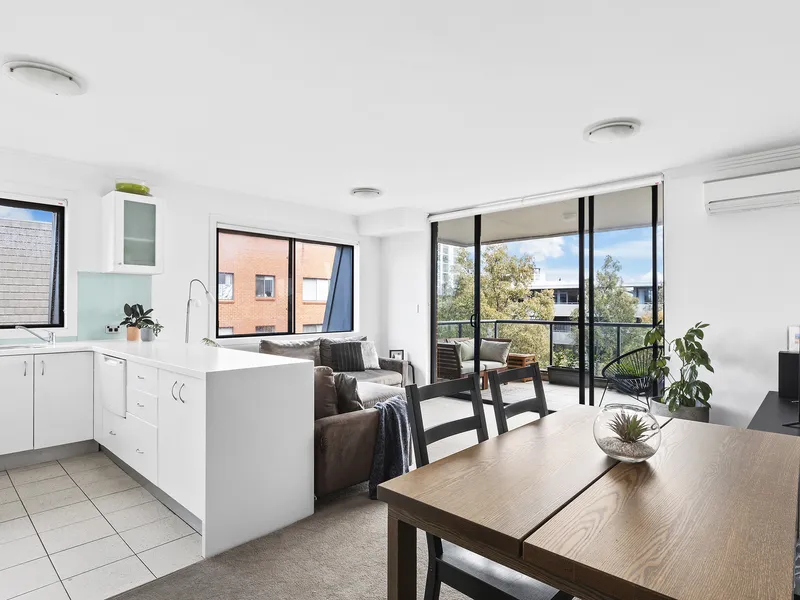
(16, 404)
(63, 404)
(132, 234)
(181, 439)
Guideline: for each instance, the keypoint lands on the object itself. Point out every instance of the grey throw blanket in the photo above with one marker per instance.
(392, 446)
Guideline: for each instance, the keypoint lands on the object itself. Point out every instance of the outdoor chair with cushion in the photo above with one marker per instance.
(629, 374)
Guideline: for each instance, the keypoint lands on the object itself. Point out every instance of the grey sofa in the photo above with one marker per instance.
(392, 372)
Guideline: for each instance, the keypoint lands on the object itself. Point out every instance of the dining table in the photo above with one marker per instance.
(713, 514)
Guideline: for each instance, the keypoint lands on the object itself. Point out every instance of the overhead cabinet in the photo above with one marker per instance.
(132, 234)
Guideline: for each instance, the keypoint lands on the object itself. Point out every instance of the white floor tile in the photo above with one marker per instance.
(156, 533)
(52, 500)
(87, 462)
(8, 495)
(26, 577)
(16, 529)
(136, 516)
(20, 551)
(109, 486)
(94, 475)
(12, 510)
(66, 515)
(45, 486)
(36, 473)
(73, 535)
(5, 481)
(172, 556)
(108, 580)
(54, 591)
(90, 556)
(121, 500)
(31, 467)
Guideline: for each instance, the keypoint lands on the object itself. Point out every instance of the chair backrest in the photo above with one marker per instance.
(421, 437)
(502, 412)
(629, 372)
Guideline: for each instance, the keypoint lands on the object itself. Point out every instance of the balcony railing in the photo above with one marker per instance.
(560, 333)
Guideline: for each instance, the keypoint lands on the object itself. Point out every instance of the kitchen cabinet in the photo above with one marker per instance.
(63, 399)
(181, 439)
(132, 234)
(16, 403)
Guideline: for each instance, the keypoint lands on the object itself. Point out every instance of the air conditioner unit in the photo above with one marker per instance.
(770, 190)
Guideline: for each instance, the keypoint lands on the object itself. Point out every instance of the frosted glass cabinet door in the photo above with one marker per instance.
(139, 233)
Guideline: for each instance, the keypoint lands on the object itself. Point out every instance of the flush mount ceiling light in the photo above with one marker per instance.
(612, 130)
(366, 193)
(44, 77)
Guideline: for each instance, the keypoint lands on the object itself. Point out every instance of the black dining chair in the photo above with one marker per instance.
(503, 411)
(465, 571)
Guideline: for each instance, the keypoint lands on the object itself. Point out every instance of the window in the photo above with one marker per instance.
(32, 258)
(315, 290)
(310, 283)
(225, 286)
(265, 286)
(313, 328)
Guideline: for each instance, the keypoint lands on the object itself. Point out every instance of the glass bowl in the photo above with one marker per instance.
(627, 432)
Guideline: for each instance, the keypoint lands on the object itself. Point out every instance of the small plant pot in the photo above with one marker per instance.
(688, 413)
(148, 335)
(133, 334)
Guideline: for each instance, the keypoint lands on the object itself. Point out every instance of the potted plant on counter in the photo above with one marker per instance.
(136, 317)
(684, 396)
(150, 331)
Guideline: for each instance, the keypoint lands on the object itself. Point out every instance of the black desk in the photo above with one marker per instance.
(773, 413)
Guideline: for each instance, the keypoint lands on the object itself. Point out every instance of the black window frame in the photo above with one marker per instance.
(272, 277)
(292, 272)
(61, 213)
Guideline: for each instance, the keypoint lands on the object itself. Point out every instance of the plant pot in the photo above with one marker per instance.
(148, 335)
(569, 376)
(698, 413)
(133, 334)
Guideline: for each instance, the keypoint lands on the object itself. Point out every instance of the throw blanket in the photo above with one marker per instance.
(392, 446)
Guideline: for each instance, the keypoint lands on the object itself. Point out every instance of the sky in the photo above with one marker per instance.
(557, 257)
(24, 214)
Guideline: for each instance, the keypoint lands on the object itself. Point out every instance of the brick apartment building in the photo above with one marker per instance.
(253, 284)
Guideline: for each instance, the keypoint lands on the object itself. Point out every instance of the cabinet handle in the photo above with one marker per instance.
(112, 432)
(25, 372)
(140, 405)
(139, 377)
(179, 393)
(173, 390)
(42, 368)
(139, 451)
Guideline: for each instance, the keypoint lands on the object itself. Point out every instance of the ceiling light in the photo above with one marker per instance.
(366, 193)
(613, 130)
(44, 77)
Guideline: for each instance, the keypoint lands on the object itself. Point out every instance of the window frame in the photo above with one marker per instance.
(233, 291)
(222, 228)
(271, 277)
(60, 210)
(316, 281)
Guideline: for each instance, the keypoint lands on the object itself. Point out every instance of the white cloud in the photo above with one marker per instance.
(543, 248)
(632, 249)
(17, 214)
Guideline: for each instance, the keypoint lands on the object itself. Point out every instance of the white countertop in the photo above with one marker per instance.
(188, 359)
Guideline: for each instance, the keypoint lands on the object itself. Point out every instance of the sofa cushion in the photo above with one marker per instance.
(347, 392)
(326, 401)
(325, 358)
(486, 365)
(466, 350)
(382, 376)
(307, 349)
(372, 393)
(354, 356)
(495, 351)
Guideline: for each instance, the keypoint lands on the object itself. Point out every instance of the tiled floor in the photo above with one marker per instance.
(81, 529)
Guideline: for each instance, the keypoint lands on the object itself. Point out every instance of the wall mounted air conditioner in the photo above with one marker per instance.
(770, 190)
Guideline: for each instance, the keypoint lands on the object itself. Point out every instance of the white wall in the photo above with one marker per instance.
(738, 272)
(406, 295)
(188, 209)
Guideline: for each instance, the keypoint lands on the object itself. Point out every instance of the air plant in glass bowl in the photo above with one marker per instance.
(627, 432)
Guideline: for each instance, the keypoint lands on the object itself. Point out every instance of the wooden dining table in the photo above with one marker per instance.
(713, 514)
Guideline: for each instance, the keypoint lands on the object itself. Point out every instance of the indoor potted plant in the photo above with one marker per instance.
(136, 317)
(150, 331)
(684, 396)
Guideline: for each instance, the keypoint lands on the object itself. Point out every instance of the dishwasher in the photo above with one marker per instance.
(109, 383)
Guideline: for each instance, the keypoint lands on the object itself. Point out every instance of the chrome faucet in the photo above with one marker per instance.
(50, 338)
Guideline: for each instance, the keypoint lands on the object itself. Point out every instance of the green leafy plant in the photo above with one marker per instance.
(685, 389)
(628, 428)
(210, 342)
(156, 327)
(565, 358)
(136, 316)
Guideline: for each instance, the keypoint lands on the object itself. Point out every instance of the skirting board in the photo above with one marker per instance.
(43, 455)
(165, 499)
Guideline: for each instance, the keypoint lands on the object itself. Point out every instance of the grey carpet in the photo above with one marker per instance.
(337, 553)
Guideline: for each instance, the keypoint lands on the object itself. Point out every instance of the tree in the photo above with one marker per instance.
(506, 282)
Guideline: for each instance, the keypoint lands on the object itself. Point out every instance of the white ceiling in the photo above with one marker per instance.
(441, 104)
